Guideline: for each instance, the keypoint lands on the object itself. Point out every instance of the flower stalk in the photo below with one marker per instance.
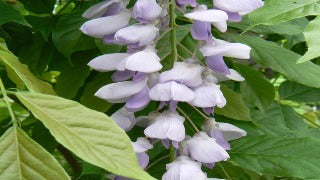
(173, 32)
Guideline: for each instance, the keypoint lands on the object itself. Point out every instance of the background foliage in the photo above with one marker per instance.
(52, 125)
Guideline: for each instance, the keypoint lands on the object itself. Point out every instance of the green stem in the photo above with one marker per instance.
(172, 153)
(189, 119)
(156, 161)
(201, 113)
(8, 103)
(225, 172)
(173, 33)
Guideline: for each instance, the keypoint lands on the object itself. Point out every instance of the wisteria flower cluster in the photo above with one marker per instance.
(139, 79)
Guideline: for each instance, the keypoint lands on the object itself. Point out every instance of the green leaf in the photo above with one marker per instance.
(286, 156)
(235, 108)
(298, 92)
(277, 11)
(23, 158)
(282, 60)
(10, 14)
(89, 99)
(256, 87)
(20, 74)
(91, 135)
(68, 38)
(44, 25)
(311, 35)
(39, 6)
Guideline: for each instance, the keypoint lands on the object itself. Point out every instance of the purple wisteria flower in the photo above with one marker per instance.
(166, 126)
(223, 132)
(105, 8)
(124, 118)
(192, 3)
(218, 18)
(140, 147)
(205, 149)
(146, 10)
(236, 9)
(183, 168)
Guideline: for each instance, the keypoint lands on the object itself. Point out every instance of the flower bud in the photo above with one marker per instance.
(146, 10)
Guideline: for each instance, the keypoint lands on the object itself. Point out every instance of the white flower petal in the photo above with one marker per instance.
(211, 15)
(140, 34)
(141, 145)
(167, 125)
(233, 76)
(120, 91)
(183, 168)
(107, 62)
(171, 91)
(231, 132)
(106, 25)
(221, 26)
(124, 118)
(208, 95)
(220, 47)
(205, 149)
(184, 73)
(238, 5)
(146, 61)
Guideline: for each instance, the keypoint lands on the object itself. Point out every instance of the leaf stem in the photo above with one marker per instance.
(172, 153)
(158, 160)
(173, 33)
(201, 113)
(189, 119)
(225, 172)
(8, 103)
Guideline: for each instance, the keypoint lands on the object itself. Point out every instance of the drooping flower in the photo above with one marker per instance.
(166, 126)
(218, 18)
(146, 10)
(140, 147)
(124, 118)
(201, 30)
(222, 132)
(105, 8)
(234, 75)
(205, 149)
(136, 35)
(107, 62)
(102, 26)
(183, 168)
(236, 8)
(187, 72)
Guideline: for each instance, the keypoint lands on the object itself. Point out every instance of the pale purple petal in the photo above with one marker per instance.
(238, 6)
(146, 10)
(108, 39)
(146, 61)
(208, 110)
(183, 168)
(167, 125)
(208, 95)
(212, 15)
(231, 132)
(217, 63)
(165, 143)
(138, 76)
(99, 9)
(217, 134)
(122, 75)
(114, 8)
(138, 101)
(192, 3)
(184, 73)
(105, 25)
(234, 75)
(205, 149)
(107, 62)
(143, 159)
(201, 30)
(120, 91)
(209, 165)
(137, 34)
(175, 144)
(171, 91)
(234, 16)
(124, 118)
(173, 105)
(141, 145)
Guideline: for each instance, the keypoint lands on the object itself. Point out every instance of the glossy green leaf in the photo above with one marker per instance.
(298, 92)
(23, 158)
(256, 88)
(286, 156)
(311, 35)
(20, 74)
(91, 135)
(10, 14)
(235, 108)
(277, 11)
(68, 38)
(282, 60)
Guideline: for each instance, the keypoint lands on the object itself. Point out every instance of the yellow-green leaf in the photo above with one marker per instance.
(89, 134)
(22, 158)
